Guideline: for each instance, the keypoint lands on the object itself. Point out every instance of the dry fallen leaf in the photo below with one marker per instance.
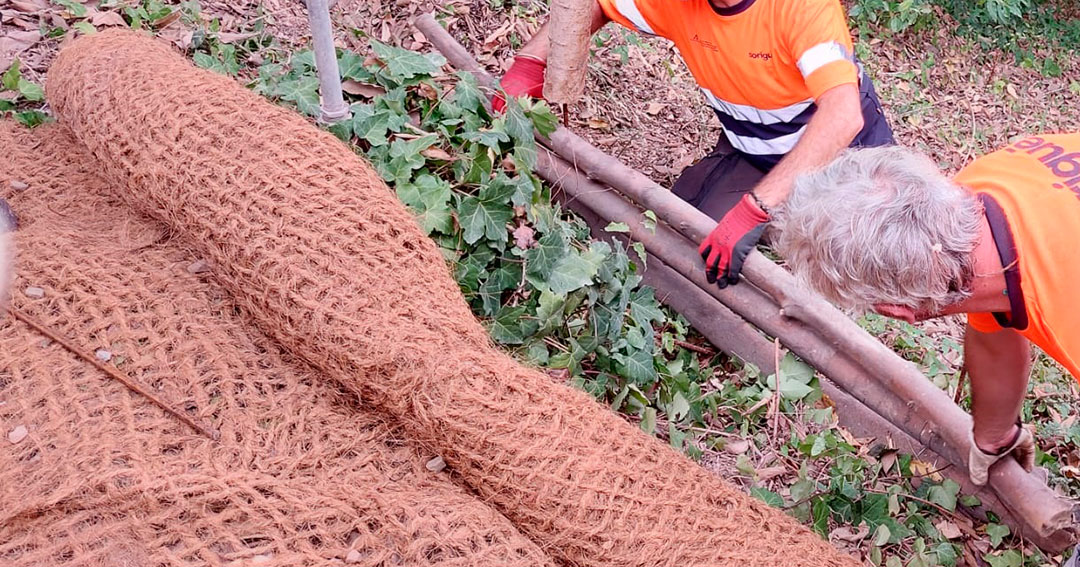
(949, 529)
(17, 434)
(737, 446)
(427, 91)
(29, 6)
(164, 22)
(770, 472)
(229, 37)
(106, 19)
(1009, 88)
(362, 89)
(599, 124)
(15, 41)
(524, 237)
(850, 534)
(437, 153)
(888, 459)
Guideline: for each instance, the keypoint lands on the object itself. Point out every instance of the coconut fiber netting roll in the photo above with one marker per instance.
(92, 474)
(321, 255)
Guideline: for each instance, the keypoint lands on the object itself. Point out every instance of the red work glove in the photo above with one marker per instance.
(524, 78)
(726, 247)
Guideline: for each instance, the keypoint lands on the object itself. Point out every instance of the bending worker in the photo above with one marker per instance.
(782, 78)
(883, 229)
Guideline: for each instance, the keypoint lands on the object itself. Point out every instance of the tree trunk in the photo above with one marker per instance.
(568, 34)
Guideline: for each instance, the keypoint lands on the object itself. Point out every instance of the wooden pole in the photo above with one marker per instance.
(815, 330)
(568, 37)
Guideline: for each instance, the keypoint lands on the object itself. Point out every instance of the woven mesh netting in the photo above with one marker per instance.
(319, 254)
(302, 473)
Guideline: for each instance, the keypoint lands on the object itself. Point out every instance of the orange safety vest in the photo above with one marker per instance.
(761, 63)
(1036, 182)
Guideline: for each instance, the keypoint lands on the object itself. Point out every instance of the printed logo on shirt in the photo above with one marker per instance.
(761, 55)
(705, 43)
(1060, 162)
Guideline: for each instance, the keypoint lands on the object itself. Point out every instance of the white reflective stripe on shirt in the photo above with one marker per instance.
(630, 10)
(761, 147)
(821, 55)
(757, 115)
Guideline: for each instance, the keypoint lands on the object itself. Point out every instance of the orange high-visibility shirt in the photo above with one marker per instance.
(1036, 183)
(761, 63)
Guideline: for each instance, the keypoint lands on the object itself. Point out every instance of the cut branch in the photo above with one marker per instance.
(568, 36)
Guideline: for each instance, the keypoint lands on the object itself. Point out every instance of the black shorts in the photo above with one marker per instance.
(716, 182)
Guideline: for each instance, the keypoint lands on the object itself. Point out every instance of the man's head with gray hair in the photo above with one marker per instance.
(881, 226)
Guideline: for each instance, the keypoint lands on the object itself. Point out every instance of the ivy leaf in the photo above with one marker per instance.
(639, 248)
(616, 227)
(543, 119)
(303, 91)
(75, 9)
(508, 328)
(882, 535)
(549, 309)
(648, 420)
(638, 367)
(488, 138)
(795, 377)
(944, 494)
(11, 77)
(1010, 558)
(429, 198)
(767, 496)
(541, 259)
(351, 66)
(574, 271)
(467, 93)
(30, 91)
(303, 60)
(820, 513)
(373, 125)
(520, 129)
(404, 64)
(479, 218)
(997, 533)
(678, 408)
(644, 308)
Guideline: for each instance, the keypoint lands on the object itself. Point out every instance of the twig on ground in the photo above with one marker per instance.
(112, 372)
(696, 348)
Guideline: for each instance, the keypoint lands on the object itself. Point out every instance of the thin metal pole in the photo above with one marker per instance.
(333, 108)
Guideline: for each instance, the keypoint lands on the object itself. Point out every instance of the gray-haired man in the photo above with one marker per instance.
(883, 229)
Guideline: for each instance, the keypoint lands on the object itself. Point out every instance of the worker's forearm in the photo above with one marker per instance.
(538, 46)
(832, 128)
(998, 365)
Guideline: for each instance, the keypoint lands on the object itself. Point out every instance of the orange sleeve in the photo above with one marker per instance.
(983, 322)
(820, 44)
(645, 16)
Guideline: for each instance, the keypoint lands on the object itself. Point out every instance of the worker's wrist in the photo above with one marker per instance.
(1000, 443)
(536, 58)
(760, 203)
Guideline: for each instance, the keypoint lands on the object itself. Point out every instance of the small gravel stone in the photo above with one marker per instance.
(34, 292)
(436, 465)
(260, 559)
(353, 556)
(103, 355)
(19, 185)
(198, 267)
(18, 434)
